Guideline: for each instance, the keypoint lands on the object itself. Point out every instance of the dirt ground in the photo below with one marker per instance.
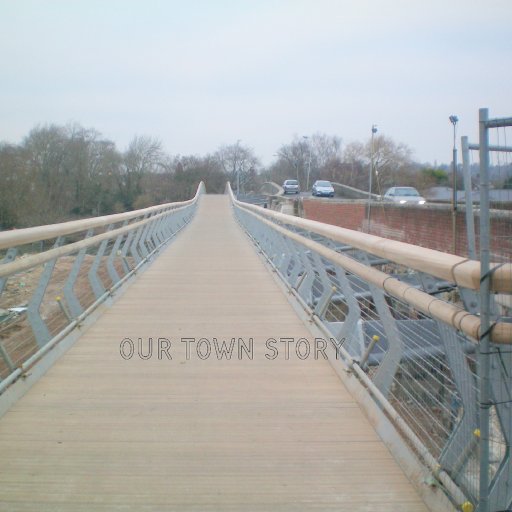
(16, 334)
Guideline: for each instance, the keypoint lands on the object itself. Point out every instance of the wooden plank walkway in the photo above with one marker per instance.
(101, 433)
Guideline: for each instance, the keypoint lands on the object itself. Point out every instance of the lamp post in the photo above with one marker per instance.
(309, 161)
(237, 169)
(374, 131)
(274, 172)
(454, 120)
(341, 158)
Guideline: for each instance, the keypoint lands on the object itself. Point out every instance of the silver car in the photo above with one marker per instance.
(404, 195)
(323, 188)
(291, 187)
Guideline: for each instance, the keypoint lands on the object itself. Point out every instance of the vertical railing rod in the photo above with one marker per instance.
(485, 317)
(470, 221)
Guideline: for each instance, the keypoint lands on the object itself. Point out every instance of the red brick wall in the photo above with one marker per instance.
(346, 215)
(427, 226)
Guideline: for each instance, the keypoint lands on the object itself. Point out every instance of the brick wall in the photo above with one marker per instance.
(427, 226)
(347, 215)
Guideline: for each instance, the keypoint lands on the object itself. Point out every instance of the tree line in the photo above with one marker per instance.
(323, 157)
(58, 173)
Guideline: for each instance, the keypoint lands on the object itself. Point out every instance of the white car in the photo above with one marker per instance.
(404, 195)
(323, 188)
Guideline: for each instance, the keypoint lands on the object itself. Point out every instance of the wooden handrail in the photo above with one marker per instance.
(447, 313)
(19, 237)
(449, 267)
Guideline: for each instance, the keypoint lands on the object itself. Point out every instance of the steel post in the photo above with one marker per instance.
(72, 300)
(485, 314)
(470, 221)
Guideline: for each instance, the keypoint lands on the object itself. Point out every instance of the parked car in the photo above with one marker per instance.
(322, 188)
(291, 187)
(404, 195)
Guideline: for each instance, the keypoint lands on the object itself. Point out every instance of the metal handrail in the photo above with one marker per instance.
(353, 366)
(43, 257)
(401, 335)
(450, 314)
(415, 377)
(461, 271)
(116, 253)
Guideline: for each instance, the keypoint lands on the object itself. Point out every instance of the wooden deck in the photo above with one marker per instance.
(101, 433)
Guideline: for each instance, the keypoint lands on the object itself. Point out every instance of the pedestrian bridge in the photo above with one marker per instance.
(212, 355)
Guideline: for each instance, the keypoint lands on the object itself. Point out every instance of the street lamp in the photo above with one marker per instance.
(454, 120)
(341, 159)
(374, 131)
(309, 161)
(237, 169)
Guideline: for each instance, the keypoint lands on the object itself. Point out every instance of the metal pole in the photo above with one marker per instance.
(341, 159)
(374, 131)
(503, 149)
(470, 221)
(309, 162)
(309, 168)
(454, 120)
(484, 363)
(237, 166)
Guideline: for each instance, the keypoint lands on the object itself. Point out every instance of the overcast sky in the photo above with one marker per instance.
(199, 74)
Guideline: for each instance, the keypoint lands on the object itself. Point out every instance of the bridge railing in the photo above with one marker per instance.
(52, 277)
(404, 323)
(272, 188)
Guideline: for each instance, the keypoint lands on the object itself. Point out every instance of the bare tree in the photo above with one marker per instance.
(392, 161)
(46, 148)
(17, 190)
(351, 171)
(236, 162)
(318, 154)
(293, 160)
(143, 155)
(392, 164)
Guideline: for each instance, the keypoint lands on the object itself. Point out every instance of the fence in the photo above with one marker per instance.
(45, 294)
(405, 322)
(494, 364)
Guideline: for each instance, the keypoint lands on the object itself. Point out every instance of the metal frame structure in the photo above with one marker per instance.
(470, 222)
(123, 243)
(404, 321)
